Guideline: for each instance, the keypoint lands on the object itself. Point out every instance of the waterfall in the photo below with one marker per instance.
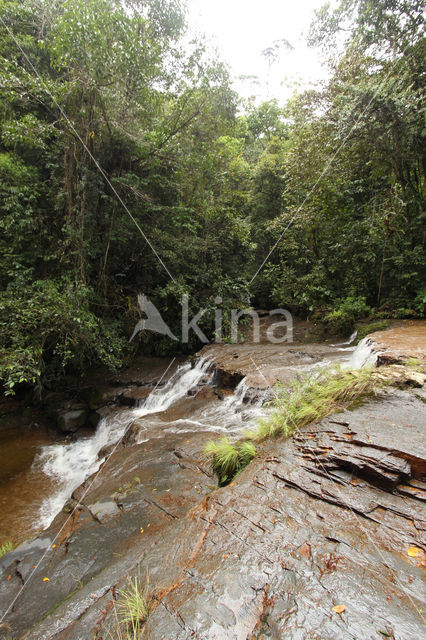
(176, 388)
(364, 355)
(348, 342)
(70, 464)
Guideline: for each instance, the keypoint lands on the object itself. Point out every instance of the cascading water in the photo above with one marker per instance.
(70, 464)
(185, 378)
(235, 412)
(364, 355)
(348, 342)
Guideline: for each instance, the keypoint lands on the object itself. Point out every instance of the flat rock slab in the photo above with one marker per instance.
(299, 534)
(118, 514)
(265, 364)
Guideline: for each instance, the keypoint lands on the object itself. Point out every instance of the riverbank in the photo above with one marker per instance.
(270, 554)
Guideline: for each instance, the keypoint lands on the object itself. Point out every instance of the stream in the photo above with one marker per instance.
(34, 491)
(330, 519)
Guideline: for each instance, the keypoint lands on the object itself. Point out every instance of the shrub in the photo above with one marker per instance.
(338, 323)
(341, 321)
(47, 328)
(365, 330)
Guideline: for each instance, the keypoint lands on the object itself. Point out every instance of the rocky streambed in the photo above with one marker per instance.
(321, 537)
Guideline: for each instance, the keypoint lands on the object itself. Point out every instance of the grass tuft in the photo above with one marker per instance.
(6, 548)
(309, 399)
(313, 398)
(228, 459)
(132, 610)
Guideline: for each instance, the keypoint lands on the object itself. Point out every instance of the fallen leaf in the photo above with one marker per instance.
(53, 546)
(413, 552)
(339, 608)
(46, 579)
(9, 577)
(231, 484)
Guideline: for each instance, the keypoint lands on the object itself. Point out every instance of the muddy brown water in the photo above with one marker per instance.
(22, 489)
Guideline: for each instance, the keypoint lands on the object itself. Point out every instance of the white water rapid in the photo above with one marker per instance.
(171, 410)
(70, 464)
(364, 355)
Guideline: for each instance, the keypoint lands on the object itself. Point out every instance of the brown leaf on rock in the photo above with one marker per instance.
(339, 608)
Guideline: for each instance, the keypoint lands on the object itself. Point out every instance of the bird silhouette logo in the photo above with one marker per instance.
(153, 321)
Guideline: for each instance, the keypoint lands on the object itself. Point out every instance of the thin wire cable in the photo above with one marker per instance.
(324, 172)
(97, 474)
(357, 516)
(95, 162)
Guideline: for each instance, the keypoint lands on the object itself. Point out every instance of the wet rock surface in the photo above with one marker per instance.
(263, 365)
(300, 533)
(103, 530)
(321, 520)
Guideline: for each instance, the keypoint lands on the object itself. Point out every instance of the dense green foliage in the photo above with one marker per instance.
(126, 167)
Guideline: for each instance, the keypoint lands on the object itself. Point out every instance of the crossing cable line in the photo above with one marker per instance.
(325, 170)
(85, 147)
(80, 501)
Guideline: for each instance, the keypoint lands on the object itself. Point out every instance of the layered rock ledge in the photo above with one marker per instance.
(333, 517)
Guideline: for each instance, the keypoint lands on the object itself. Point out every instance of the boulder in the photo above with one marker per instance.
(72, 419)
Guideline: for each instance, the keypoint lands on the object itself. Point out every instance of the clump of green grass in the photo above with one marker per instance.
(5, 548)
(309, 399)
(414, 363)
(132, 610)
(313, 398)
(365, 330)
(229, 459)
